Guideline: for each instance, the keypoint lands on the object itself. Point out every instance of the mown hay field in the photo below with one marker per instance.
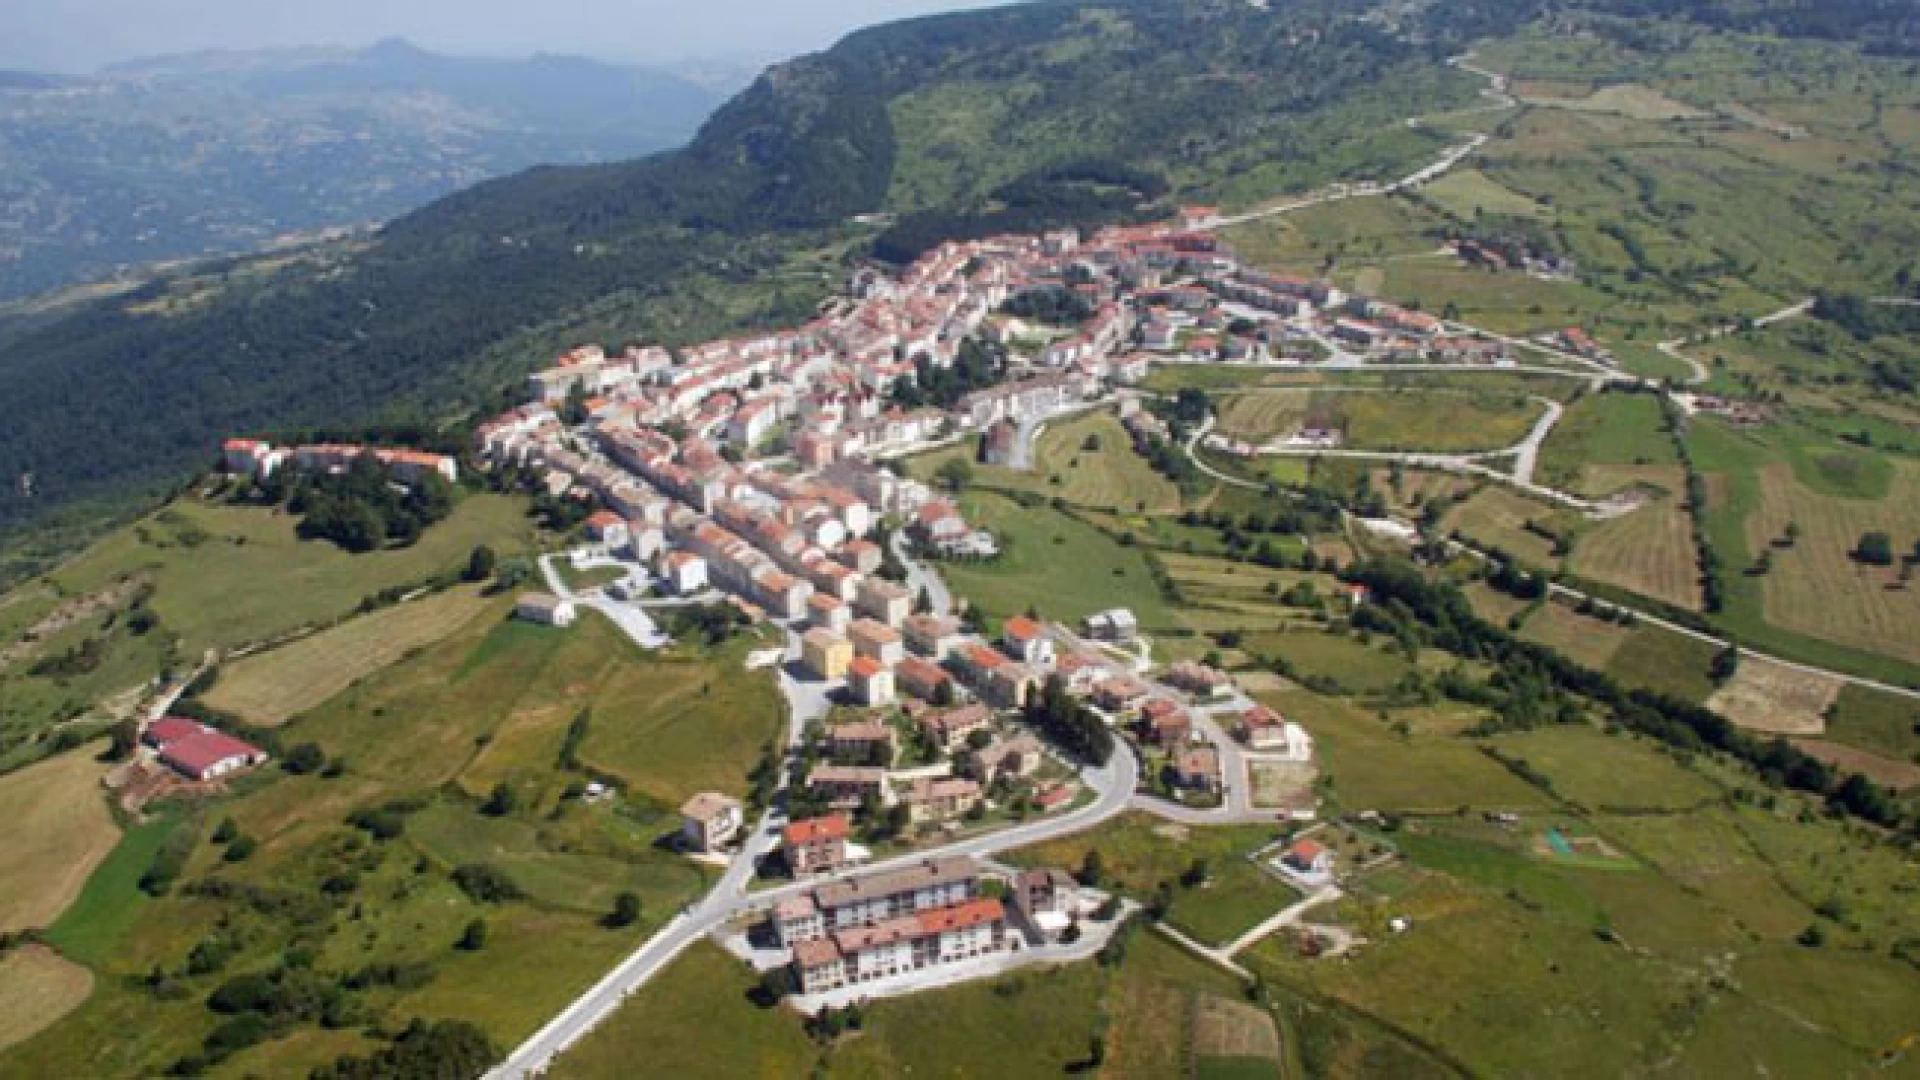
(1816, 587)
(61, 830)
(269, 688)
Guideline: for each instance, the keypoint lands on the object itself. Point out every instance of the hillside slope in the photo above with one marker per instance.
(1014, 116)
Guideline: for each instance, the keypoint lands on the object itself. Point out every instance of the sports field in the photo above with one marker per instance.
(268, 688)
(57, 814)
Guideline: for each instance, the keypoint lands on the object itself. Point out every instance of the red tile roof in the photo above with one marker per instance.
(962, 916)
(197, 753)
(813, 830)
(172, 728)
(1021, 628)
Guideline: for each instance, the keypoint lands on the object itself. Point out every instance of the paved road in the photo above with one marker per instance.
(631, 619)
(1700, 373)
(1113, 782)
(922, 578)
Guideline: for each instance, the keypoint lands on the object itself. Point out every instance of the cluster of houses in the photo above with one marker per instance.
(854, 931)
(259, 459)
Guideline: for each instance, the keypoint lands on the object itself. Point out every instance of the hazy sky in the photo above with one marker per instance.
(80, 35)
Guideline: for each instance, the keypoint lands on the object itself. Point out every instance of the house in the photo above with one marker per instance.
(1010, 685)
(1262, 728)
(1114, 624)
(877, 640)
(825, 654)
(1308, 857)
(1198, 769)
(1047, 897)
(607, 527)
(709, 820)
(1027, 641)
(1020, 755)
(883, 601)
(1119, 693)
(545, 609)
(1166, 724)
(949, 728)
(797, 920)
(208, 754)
(828, 613)
(686, 573)
(871, 681)
(931, 635)
(943, 799)
(862, 556)
(923, 679)
(1196, 678)
(816, 845)
(923, 886)
(847, 787)
(862, 741)
(900, 945)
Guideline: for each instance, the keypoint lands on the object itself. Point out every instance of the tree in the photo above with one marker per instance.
(474, 937)
(1093, 869)
(480, 564)
(626, 910)
(1726, 663)
(305, 758)
(1195, 875)
(226, 830)
(240, 848)
(501, 802)
(126, 739)
(1875, 549)
(954, 474)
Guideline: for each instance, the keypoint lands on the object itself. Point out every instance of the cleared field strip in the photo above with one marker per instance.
(1765, 696)
(61, 830)
(273, 687)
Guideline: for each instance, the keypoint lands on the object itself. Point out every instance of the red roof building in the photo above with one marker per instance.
(210, 754)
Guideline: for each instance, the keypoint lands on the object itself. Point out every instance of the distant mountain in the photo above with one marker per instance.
(218, 152)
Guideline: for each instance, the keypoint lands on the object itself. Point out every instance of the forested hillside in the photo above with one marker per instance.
(1017, 116)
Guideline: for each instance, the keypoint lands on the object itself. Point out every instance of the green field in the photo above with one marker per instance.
(1141, 852)
(1671, 887)
(1108, 477)
(486, 705)
(1440, 421)
(1605, 429)
(1048, 560)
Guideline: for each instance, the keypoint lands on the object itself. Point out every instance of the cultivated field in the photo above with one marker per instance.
(1111, 475)
(37, 987)
(1234, 1039)
(1768, 697)
(1497, 517)
(268, 688)
(1440, 421)
(1899, 775)
(1065, 568)
(57, 814)
(1816, 587)
(1354, 228)
(1649, 551)
(1589, 641)
(1469, 193)
(1626, 99)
